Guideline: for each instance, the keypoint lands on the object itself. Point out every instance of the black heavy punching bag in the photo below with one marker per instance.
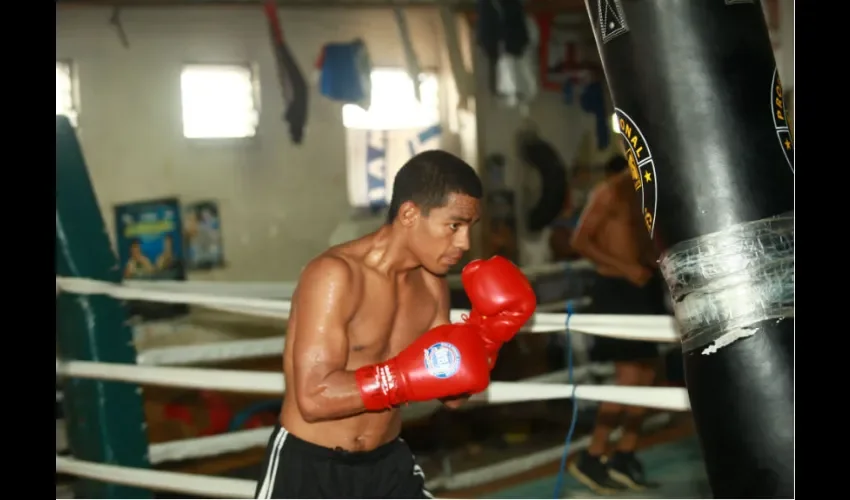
(701, 112)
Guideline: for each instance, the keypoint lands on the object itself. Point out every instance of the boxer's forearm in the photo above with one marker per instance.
(336, 397)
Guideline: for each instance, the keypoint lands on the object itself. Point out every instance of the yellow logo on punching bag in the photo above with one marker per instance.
(641, 167)
(780, 119)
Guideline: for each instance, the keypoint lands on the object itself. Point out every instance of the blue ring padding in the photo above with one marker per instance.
(243, 416)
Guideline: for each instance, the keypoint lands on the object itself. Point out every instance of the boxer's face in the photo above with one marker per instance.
(442, 236)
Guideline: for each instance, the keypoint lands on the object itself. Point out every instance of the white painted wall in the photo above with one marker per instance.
(279, 202)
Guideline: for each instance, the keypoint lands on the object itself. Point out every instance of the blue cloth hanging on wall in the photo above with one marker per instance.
(346, 73)
(591, 100)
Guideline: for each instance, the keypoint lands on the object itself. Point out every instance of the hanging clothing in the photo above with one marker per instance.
(502, 31)
(292, 82)
(346, 73)
(516, 79)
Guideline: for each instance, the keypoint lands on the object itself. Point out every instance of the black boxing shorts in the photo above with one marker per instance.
(294, 468)
(619, 296)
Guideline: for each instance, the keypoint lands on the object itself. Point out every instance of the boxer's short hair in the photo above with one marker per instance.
(429, 178)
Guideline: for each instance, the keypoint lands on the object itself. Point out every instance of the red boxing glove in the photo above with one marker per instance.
(502, 299)
(449, 360)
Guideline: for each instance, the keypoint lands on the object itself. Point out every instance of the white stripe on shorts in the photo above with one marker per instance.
(271, 471)
(417, 471)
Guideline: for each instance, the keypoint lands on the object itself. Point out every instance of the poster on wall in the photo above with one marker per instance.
(567, 51)
(149, 237)
(202, 235)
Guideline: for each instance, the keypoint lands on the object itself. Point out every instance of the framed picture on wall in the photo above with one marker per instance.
(202, 235)
(149, 240)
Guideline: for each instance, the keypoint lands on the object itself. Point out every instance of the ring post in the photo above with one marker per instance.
(701, 112)
(105, 420)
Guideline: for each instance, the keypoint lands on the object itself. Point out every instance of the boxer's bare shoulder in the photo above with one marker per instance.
(328, 280)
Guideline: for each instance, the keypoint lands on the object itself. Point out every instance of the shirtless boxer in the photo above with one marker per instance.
(612, 234)
(369, 330)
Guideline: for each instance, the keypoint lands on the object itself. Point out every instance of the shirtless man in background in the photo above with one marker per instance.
(369, 330)
(612, 234)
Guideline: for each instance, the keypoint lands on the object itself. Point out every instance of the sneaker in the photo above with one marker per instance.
(592, 472)
(627, 470)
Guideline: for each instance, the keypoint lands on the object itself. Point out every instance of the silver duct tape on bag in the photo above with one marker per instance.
(723, 283)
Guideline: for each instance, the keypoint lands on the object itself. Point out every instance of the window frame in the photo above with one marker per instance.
(73, 90)
(254, 72)
(427, 72)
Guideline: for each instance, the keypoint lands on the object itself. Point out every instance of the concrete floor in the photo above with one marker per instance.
(677, 466)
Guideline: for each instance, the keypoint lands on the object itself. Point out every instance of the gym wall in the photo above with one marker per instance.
(279, 203)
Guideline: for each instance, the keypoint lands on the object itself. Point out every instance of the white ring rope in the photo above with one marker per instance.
(253, 382)
(259, 290)
(87, 286)
(232, 350)
(634, 327)
(190, 448)
(211, 352)
(205, 486)
(189, 484)
(234, 441)
(208, 446)
(284, 290)
(258, 303)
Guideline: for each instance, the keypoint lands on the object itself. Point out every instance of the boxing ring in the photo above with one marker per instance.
(166, 367)
(714, 174)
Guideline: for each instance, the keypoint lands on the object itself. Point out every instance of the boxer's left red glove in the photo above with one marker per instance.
(502, 300)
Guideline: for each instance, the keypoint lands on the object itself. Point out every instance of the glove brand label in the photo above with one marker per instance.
(641, 167)
(442, 360)
(780, 119)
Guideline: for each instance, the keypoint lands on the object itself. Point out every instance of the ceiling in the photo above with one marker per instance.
(533, 5)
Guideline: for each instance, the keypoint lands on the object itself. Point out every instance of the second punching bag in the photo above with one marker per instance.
(701, 113)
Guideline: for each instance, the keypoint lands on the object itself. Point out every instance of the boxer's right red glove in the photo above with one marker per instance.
(446, 361)
(502, 300)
